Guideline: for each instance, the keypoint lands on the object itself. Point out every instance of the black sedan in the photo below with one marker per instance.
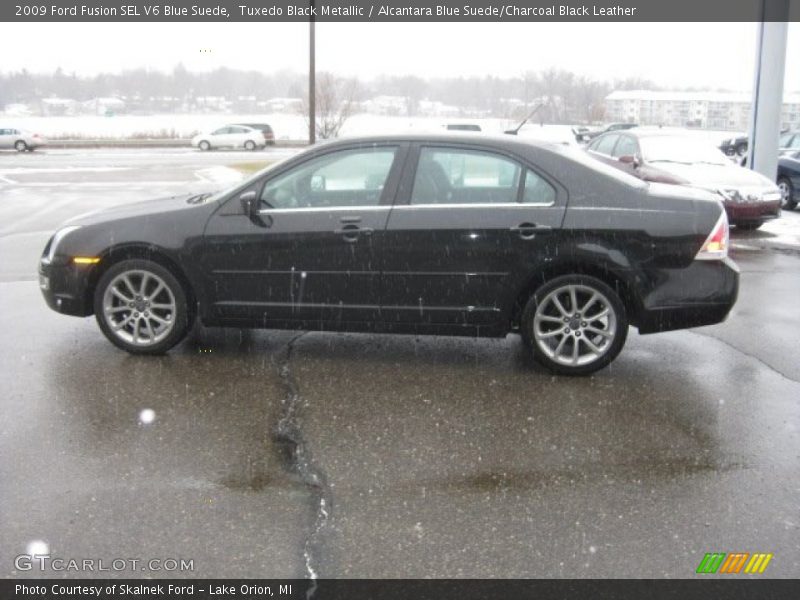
(445, 235)
(789, 179)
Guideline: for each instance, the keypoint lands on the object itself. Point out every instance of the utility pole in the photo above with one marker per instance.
(312, 79)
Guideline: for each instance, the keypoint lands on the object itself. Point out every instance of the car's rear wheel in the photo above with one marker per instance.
(141, 307)
(250, 145)
(575, 325)
(204, 146)
(787, 194)
(20, 146)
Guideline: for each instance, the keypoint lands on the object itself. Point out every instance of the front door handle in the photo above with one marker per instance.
(528, 231)
(351, 232)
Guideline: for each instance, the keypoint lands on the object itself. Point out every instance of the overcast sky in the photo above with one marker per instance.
(713, 55)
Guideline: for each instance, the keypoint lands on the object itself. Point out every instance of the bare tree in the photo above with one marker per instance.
(336, 102)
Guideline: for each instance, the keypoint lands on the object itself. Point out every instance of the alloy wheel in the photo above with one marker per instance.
(139, 307)
(575, 325)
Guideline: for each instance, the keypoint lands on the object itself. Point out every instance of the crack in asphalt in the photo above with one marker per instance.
(297, 460)
(748, 354)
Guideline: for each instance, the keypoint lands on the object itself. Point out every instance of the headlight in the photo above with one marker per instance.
(771, 196)
(58, 237)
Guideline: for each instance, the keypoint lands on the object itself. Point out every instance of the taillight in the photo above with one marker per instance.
(716, 244)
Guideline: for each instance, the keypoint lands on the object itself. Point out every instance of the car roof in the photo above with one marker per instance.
(510, 142)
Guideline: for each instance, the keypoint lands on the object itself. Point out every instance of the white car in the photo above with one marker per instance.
(231, 136)
(20, 140)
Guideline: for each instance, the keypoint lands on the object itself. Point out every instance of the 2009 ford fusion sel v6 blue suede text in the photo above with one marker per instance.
(441, 234)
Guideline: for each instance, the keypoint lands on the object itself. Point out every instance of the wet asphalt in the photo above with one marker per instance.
(286, 454)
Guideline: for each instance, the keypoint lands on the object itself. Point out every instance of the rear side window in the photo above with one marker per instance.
(453, 176)
(606, 144)
(537, 190)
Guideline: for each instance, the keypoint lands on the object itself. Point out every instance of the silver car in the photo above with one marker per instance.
(231, 136)
(20, 140)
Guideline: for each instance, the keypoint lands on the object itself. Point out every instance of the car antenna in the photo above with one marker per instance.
(515, 131)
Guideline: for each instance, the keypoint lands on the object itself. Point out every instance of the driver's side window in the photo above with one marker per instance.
(346, 178)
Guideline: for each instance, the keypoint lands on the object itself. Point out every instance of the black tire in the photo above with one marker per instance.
(748, 226)
(787, 201)
(541, 331)
(178, 319)
(20, 146)
(741, 149)
(250, 145)
(204, 146)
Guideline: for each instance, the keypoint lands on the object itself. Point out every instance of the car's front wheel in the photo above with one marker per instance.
(141, 307)
(575, 325)
(787, 194)
(20, 146)
(204, 146)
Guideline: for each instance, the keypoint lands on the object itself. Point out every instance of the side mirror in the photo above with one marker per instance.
(629, 159)
(249, 202)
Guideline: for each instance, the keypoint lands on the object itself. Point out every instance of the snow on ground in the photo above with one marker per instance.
(286, 126)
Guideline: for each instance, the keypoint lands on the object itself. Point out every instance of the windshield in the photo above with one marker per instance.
(680, 150)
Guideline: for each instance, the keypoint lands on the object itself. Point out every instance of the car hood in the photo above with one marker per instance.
(714, 176)
(146, 208)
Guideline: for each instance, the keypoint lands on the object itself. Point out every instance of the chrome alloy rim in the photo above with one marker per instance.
(784, 188)
(139, 307)
(575, 325)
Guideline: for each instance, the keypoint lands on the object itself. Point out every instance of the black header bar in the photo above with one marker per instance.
(400, 10)
(701, 588)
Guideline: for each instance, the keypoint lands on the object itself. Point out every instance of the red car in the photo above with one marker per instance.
(661, 156)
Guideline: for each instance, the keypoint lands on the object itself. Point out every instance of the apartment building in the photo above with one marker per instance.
(709, 110)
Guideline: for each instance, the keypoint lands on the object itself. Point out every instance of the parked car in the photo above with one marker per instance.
(231, 136)
(590, 134)
(20, 140)
(789, 141)
(749, 198)
(463, 127)
(738, 146)
(442, 234)
(789, 179)
(269, 134)
(735, 146)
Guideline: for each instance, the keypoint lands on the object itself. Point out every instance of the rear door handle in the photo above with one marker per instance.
(528, 230)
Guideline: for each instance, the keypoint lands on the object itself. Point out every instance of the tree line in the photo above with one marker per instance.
(567, 97)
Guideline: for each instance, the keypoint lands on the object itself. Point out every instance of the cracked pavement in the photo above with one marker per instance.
(283, 454)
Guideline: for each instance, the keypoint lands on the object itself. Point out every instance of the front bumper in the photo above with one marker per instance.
(701, 294)
(752, 212)
(65, 287)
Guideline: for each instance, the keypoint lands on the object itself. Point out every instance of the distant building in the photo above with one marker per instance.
(104, 106)
(709, 110)
(58, 107)
(281, 105)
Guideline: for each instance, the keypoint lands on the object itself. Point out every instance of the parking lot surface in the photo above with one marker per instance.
(293, 454)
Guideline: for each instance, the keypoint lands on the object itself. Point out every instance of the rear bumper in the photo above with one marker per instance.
(702, 294)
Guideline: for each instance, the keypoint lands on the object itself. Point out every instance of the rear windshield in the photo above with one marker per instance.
(582, 157)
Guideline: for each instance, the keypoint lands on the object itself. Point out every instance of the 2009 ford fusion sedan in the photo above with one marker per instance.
(444, 235)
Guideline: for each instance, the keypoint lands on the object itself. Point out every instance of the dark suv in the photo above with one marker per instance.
(269, 134)
(447, 235)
